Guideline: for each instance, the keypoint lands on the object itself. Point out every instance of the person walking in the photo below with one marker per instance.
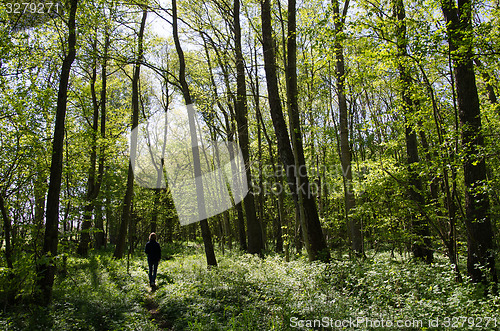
(153, 250)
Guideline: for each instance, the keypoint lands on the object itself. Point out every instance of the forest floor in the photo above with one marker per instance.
(248, 293)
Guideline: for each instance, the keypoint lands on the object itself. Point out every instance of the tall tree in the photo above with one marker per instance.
(7, 228)
(159, 167)
(421, 241)
(127, 201)
(205, 229)
(315, 242)
(93, 183)
(480, 256)
(254, 228)
(345, 148)
(46, 268)
(99, 237)
(230, 127)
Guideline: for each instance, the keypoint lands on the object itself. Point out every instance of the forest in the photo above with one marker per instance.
(308, 165)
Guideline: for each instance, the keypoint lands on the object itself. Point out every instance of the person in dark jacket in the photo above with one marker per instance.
(153, 250)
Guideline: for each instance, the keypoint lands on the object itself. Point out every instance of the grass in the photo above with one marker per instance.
(248, 293)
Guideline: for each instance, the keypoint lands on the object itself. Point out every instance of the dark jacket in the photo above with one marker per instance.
(154, 251)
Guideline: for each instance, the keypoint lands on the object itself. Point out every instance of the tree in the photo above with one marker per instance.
(46, 267)
(99, 238)
(315, 242)
(127, 201)
(93, 183)
(254, 229)
(165, 103)
(228, 125)
(345, 149)
(480, 255)
(205, 229)
(421, 241)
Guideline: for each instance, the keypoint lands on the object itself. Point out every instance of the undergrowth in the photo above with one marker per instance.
(96, 293)
(248, 293)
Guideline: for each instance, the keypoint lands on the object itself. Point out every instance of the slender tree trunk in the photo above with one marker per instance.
(421, 242)
(254, 228)
(205, 229)
(40, 189)
(242, 236)
(99, 225)
(157, 195)
(488, 81)
(230, 119)
(7, 222)
(127, 201)
(230, 131)
(345, 149)
(294, 119)
(99, 237)
(46, 269)
(132, 231)
(254, 84)
(7, 227)
(110, 218)
(317, 249)
(278, 220)
(480, 255)
(445, 159)
(92, 190)
(159, 169)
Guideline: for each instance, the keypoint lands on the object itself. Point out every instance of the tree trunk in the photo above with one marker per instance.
(127, 201)
(205, 229)
(132, 231)
(421, 242)
(99, 225)
(92, 187)
(480, 257)
(278, 220)
(488, 81)
(230, 131)
(345, 149)
(446, 161)
(317, 249)
(161, 166)
(46, 269)
(261, 128)
(99, 237)
(254, 228)
(7, 222)
(7, 226)
(294, 120)
(40, 189)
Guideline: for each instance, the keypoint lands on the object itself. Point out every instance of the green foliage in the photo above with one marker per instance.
(94, 294)
(16, 283)
(246, 292)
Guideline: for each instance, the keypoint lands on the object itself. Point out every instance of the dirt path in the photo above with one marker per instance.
(154, 314)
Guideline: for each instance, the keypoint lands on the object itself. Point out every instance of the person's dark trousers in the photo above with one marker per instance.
(153, 268)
